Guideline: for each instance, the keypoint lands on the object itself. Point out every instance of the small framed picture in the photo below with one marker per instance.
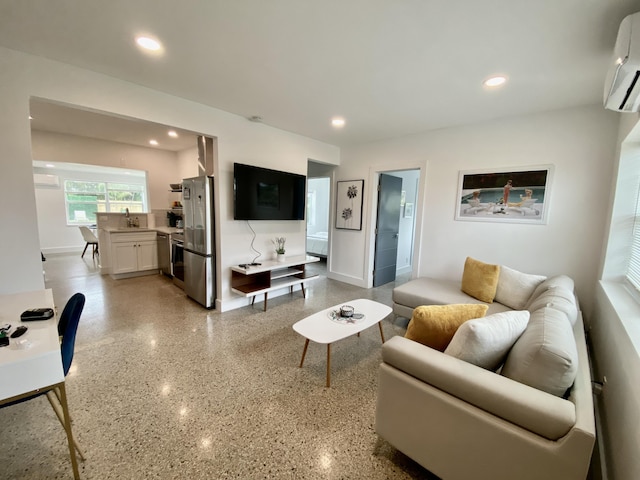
(408, 210)
(349, 200)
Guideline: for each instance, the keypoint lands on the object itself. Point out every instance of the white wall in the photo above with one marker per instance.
(55, 235)
(24, 76)
(187, 165)
(579, 143)
(614, 328)
(161, 166)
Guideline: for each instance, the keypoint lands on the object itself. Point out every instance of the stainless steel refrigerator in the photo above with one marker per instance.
(199, 243)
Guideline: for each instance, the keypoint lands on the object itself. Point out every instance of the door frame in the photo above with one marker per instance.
(369, 253)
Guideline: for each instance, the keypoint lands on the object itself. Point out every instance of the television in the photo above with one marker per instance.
(264, 194)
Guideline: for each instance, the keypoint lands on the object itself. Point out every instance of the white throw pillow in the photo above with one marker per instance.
(486, 341)
(515, 288)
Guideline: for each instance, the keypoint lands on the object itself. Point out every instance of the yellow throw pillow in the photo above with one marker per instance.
(480, 280)
(435, 325)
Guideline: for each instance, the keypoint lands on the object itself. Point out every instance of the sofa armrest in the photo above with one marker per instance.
(539, 412)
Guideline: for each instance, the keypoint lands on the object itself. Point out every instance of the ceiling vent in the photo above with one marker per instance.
(622, 85)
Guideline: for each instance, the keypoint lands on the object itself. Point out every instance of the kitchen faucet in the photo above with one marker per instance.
(126, 214)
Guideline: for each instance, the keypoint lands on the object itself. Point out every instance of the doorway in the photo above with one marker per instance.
(79, 144)
(318, 216)
(387, 229)
(404, 241)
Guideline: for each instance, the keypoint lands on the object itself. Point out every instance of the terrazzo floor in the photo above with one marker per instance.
(163, 388)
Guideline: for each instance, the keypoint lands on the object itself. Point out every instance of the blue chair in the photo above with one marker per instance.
(73, 309)
(67, 328)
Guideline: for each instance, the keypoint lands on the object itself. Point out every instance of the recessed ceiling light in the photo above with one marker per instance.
(153, 142)
(30, 117)
(495, 81)
(337, 122)
(148, 43)
(172, 134)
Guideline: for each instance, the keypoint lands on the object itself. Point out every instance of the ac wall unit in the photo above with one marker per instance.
(46, 180)
(622, 85)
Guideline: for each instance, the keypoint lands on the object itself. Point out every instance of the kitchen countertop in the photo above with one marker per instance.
(128, 229)
(168, 230)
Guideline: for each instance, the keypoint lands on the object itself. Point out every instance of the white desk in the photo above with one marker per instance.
(33, 360)
(32, 363)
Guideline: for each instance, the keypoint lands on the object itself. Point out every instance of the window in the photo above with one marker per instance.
(633, 267)
(84, 199)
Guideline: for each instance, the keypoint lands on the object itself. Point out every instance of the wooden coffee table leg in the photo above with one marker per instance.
(304, 352)
(381, 334)
(328, 365)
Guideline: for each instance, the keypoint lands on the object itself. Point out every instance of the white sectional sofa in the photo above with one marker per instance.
(461, 421)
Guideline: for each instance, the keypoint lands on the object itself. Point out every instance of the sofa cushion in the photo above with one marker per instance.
(435, 325)
(486, 341)
(545, 356)
(434, 291)
(557, 281)
(532, 409)
(480, 280)
(558, 298)
(515, 288)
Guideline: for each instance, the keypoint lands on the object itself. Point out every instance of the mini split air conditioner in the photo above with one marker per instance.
(622, 85)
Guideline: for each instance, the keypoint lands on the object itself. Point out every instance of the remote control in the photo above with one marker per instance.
(19, 331)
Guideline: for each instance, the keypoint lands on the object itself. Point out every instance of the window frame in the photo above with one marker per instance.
(108, 187)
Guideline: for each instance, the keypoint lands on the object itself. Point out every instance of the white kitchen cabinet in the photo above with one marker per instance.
(148, 255)
(133, 252)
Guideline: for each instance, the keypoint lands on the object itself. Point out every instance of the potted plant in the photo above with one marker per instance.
(279, 244)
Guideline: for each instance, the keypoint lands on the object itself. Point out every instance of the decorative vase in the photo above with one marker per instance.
(280, 257)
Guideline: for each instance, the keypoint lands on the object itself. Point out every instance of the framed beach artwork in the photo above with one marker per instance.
(349, 200)
(513, 195)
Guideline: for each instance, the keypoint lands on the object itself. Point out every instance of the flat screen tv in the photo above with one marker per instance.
(264, 194)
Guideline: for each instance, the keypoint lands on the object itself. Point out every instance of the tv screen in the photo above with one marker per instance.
(264, 194)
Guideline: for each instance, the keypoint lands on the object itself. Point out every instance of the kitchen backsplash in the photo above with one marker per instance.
(118, 220)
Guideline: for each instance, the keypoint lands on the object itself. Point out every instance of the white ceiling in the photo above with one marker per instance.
(389, 67)
(53, 117)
